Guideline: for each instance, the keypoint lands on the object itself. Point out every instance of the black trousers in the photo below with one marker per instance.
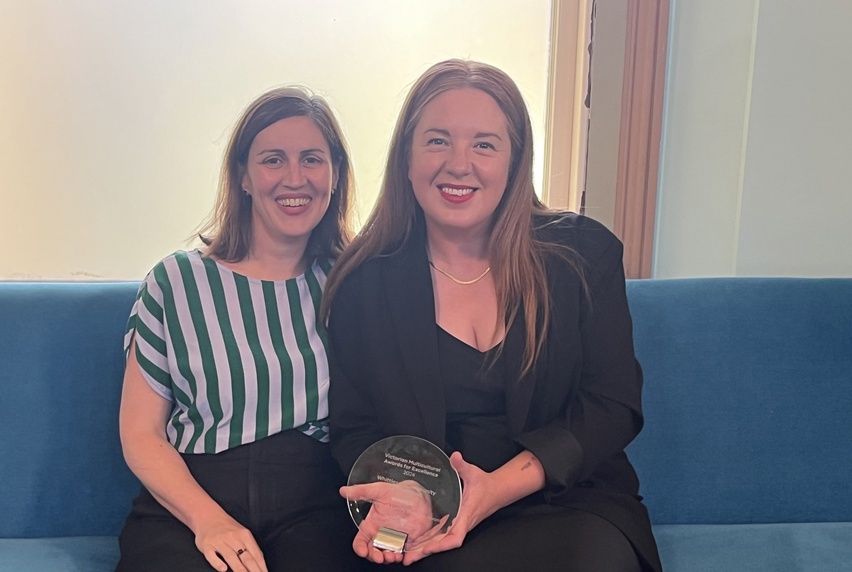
(542, 538)
(282, 488)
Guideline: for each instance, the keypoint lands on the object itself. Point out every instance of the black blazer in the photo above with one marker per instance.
(576, 411)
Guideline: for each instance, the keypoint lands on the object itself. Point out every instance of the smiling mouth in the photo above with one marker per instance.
(293, 201)
(456, 191)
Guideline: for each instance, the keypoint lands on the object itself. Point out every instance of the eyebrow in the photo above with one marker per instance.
(315, 150)
(480, 135)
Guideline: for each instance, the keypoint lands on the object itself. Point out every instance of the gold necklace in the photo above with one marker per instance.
(456, 280)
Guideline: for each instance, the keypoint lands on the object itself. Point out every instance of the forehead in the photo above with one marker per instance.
(463, 108)
(292, 132)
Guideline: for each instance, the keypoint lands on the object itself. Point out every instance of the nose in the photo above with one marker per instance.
(458, 163)
(294, 176)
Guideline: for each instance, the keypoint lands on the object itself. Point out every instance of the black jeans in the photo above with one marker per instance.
(282, 488)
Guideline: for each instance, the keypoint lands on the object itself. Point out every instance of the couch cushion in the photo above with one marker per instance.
(61, 467)
(747, 398)
(76, 554)
(818, 547)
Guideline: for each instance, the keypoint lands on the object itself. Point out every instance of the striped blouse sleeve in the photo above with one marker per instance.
(147, 328)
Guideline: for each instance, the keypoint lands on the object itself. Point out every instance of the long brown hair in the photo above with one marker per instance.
(227, 232)
(516, 257)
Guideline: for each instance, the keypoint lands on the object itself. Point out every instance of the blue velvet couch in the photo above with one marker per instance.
(745, 459)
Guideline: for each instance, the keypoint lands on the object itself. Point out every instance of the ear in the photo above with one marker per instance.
(245, 182)
(335, 176)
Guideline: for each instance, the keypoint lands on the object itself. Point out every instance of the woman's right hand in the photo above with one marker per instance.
(405, 506)
(226, 543)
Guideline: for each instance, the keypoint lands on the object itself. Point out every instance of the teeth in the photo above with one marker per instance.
(293, 202)
(456, 192)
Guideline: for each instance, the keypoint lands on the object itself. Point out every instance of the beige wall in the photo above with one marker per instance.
(115, 113)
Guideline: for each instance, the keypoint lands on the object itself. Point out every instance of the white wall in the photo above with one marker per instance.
(755, 172)
(115, 113)
(797, 189)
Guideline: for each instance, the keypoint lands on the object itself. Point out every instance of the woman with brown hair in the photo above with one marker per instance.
(469, 314)
(224, 407)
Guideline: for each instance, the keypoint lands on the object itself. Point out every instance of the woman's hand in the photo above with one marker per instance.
(484, 494)
(226, 543)
(405, 506)
(479, 501)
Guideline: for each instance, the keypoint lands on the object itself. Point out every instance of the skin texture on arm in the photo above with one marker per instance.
(142, 423)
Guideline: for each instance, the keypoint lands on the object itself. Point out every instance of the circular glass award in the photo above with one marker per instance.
(407, 492)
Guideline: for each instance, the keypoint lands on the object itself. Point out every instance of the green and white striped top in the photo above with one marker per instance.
(240, 358)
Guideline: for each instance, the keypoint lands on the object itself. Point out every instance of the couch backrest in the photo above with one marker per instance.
(61, 367)
(748, 403)
(747, 399)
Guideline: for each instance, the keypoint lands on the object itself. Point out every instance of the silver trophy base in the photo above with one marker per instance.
(390, 539)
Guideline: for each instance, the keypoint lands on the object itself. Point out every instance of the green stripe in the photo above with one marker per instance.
(253, 339)
(156, 342)
(208, 361)
(180, 350)
(274, 320)
(304, 343)
(160, 376)
(235, 365)
(151, 305)
(186, 401)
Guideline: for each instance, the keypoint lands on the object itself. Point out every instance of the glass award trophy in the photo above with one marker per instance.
(408, 492)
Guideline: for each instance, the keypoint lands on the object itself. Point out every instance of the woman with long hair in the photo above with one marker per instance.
(469, 314)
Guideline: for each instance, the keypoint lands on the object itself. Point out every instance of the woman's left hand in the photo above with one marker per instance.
(478, 503)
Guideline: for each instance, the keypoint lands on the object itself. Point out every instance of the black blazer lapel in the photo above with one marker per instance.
(408, 288)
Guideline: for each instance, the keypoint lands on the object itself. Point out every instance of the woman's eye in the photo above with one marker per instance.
(272, 161)
(436, 141)
(312, 160)
(485, 145)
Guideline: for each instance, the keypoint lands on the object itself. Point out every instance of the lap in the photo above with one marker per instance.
(541, 538)
(282, 488)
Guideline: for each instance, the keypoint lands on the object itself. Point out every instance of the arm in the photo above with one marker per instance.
(604, 413)
(142, 421)
(484, 494)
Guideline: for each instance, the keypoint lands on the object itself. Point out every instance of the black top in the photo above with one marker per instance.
(475, 392)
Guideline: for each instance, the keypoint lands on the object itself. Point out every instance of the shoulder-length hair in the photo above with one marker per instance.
(516, 257)
(227, 233)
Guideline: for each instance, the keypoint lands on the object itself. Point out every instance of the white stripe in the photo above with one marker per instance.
(320, 356)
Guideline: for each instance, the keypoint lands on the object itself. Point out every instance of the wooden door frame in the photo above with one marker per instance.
(641, 133)
(641, 121)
